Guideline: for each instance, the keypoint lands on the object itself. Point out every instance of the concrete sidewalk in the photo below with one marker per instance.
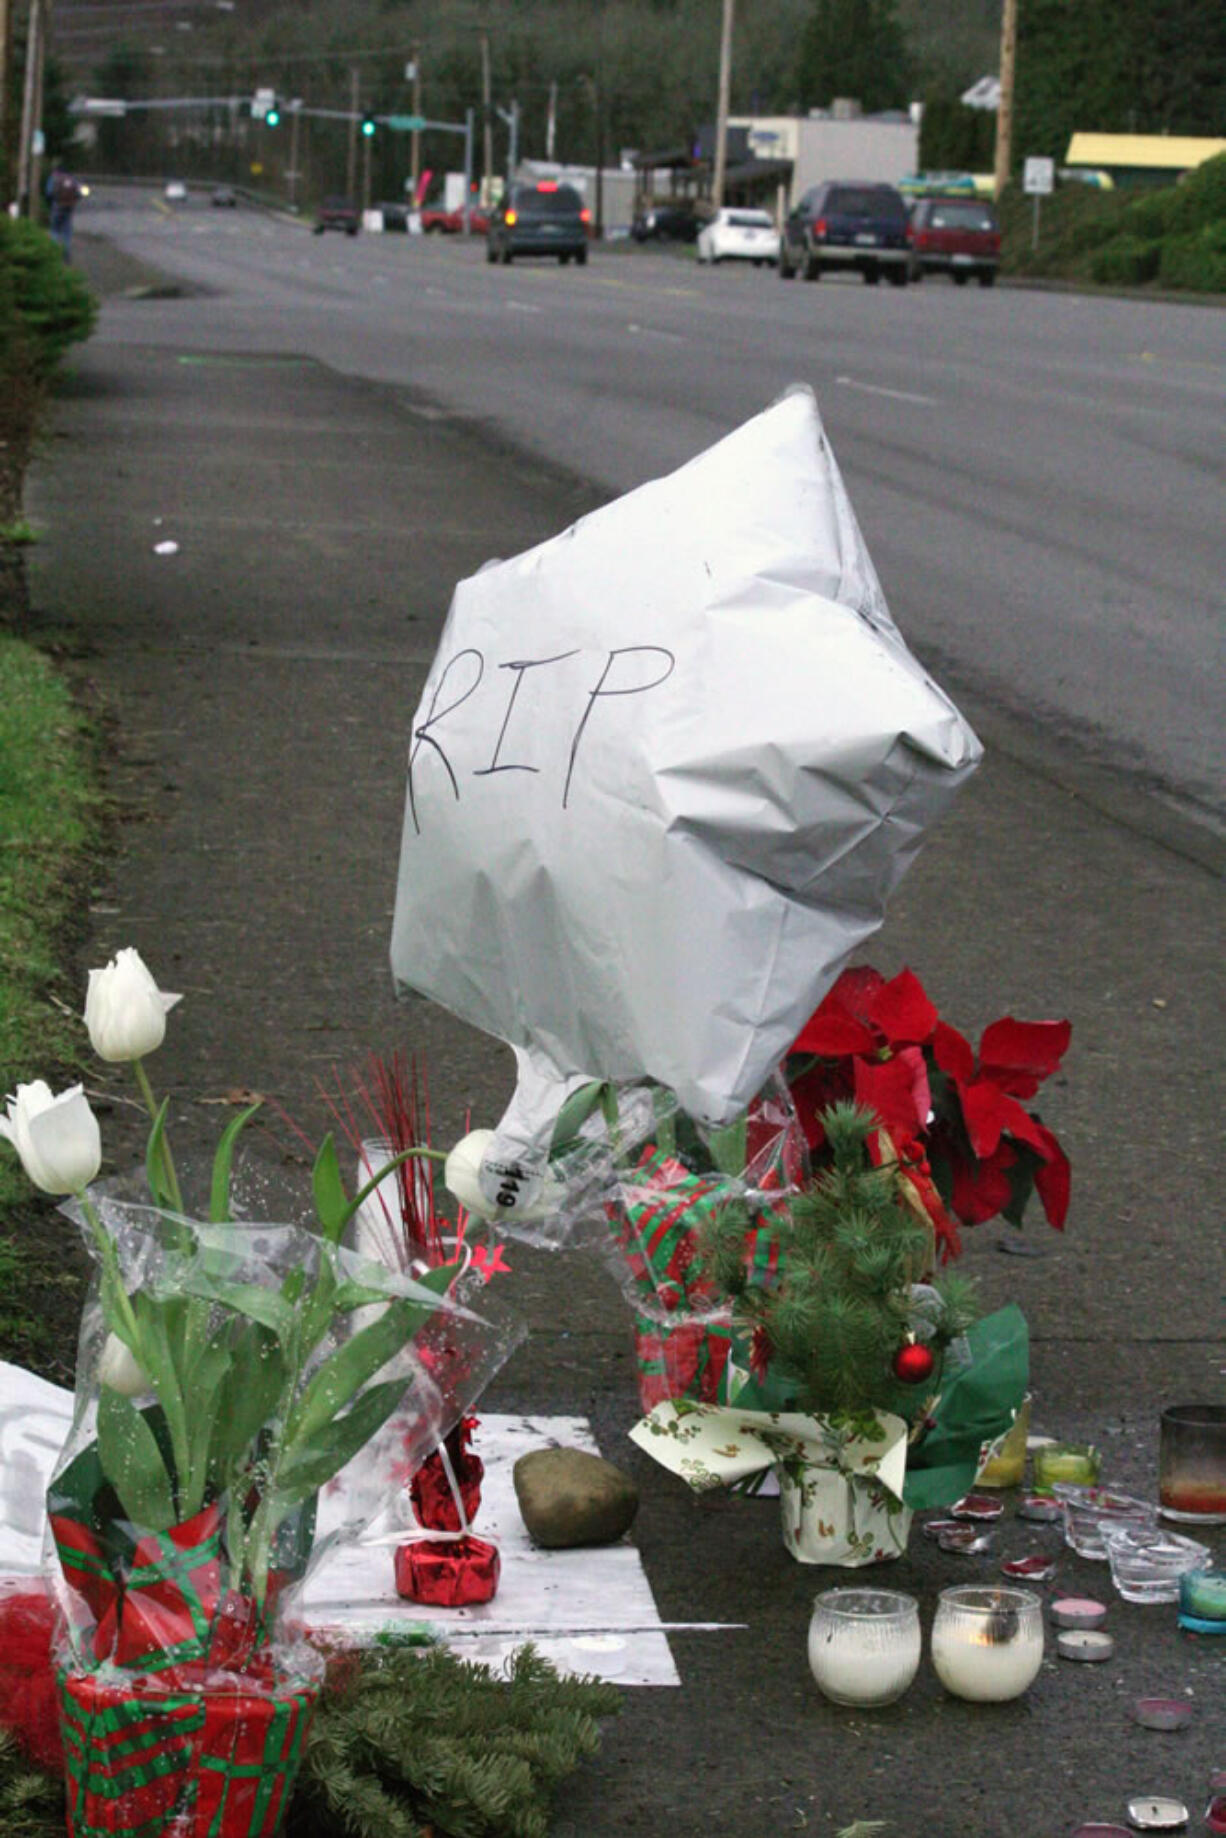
(261, 680)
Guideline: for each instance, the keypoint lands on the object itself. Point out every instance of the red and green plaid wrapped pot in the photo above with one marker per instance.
(189, 1754)
(682, 1337)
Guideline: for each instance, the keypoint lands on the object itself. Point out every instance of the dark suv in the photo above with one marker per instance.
(841, 225)
(544, 219)
(954, 236)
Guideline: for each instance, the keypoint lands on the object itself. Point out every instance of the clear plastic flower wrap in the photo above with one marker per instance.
(248, 1396)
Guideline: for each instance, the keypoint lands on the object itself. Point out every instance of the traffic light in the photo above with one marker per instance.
(368, 126)
(272, 115)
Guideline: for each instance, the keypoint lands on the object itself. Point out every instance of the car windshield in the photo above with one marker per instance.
(749, 220)
(867, 201)
(556, 201)
(955, 215)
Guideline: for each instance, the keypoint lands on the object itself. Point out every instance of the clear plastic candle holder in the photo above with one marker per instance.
(864, 1645)
(1202, 1605)
(1192, 1463)
(1147, 1562)
(987, 1643)
(1088, 1511)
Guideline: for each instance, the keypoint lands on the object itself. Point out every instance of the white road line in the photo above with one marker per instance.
(877, 389)
(646, 331)
(520, 306)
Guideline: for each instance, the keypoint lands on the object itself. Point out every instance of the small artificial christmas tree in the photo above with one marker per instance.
(848, 1320)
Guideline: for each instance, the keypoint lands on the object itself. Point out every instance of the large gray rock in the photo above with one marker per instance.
(568, 1497)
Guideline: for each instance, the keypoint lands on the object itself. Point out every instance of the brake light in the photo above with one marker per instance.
(819, 227)
(511, 217)
(585, 216)
(547, 185)
(923, 240)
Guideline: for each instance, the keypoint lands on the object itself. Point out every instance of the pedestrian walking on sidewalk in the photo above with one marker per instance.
(63, 196)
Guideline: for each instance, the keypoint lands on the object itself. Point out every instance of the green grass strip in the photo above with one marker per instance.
(50, 811)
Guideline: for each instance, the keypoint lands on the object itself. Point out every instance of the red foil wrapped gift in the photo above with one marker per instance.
(430, 1489)
(447, 1573)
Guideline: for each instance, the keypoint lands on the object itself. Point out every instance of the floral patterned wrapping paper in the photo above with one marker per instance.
(840, 1491)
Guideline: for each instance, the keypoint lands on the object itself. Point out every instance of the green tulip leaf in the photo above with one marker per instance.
(247, 1399)
(331, 1200)
(251, 1300)
(223, 1161)
(574, 1114)
(159, 1169)
(313, 1460)
(348, 1369)
(132, 1462)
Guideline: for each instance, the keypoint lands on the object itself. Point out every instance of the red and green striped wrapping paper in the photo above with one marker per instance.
(190, 1755)
(657, 1230)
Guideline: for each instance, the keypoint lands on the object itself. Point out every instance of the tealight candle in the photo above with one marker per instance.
(1162, 1713)
(1156, 1813)
(987, 1643)
(1077, 1611)
(1084, 1644)
(1078, 1463)
(864, 1645)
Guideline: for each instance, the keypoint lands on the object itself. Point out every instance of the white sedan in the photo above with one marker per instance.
(739, 235)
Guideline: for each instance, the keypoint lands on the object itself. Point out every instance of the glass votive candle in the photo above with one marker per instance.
(1202, 1601)
(1148, 1561)
(1077, 1464)
(864, 1645)
(987, 1644)
(1192, 1463)
(1003, 1462)
(1089, 1510)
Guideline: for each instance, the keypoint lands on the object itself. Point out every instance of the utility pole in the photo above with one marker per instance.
(295, 116)
(31, 111)
(366, 144)
(721, 113)
(415, 137)
(351, 167)
(487, 132)
(1004, 109)
(551, 122)
(6, 56)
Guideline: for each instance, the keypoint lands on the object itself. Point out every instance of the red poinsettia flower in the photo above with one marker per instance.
(864, 1013)
(1014, 1057)
(881, 1043)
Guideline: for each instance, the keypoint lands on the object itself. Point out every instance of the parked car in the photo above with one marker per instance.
(338, 214)
(739, 234)
(839, 226)
(439, 222)
(545, 219)
(225, 196)
(678, 223)
(176, 192)
(954, 236)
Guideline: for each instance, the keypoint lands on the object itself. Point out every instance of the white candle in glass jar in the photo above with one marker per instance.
(864, 1645)
(987, 1644)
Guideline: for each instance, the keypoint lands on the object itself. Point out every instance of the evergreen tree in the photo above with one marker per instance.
(853, 48)
(829, 1321)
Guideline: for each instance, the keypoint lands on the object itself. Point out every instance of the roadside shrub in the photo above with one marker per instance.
(44, 304)
(1148, 216)
(1197, 260)
(1126, 262)
(1201, 199)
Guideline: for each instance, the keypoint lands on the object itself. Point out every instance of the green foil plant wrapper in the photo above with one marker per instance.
(977, 1404)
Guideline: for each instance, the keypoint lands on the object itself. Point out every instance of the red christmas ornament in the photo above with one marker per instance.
(913, 1363)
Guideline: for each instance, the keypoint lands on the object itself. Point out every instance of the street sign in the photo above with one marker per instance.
(1039, 177)
(103, 105)
(404, 124)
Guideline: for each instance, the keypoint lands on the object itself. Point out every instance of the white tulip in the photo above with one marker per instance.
(125, 1011)
(57, 1138)
(462, 1179)
(120, 1370)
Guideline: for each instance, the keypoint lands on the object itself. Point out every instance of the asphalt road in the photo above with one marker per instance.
(1038, 473)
